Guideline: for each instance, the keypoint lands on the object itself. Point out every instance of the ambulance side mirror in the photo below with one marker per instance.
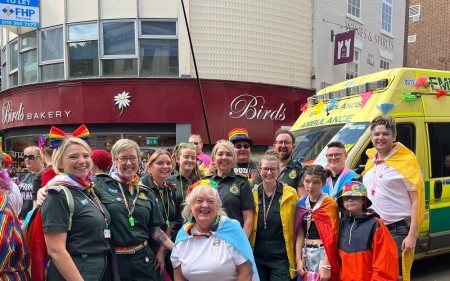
(437, 190)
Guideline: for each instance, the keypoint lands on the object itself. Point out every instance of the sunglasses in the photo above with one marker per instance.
(239, 146)
(30, 157)
(193, 142)
(188, 144)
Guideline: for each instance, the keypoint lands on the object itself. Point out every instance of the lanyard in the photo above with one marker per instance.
(96, 203)
(266, 213)
(125, 202)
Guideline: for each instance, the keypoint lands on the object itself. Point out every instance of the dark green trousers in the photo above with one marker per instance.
(138, 266)
(90, 268)
(271, 260)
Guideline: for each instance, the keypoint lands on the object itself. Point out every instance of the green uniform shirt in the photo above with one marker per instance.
(274, 230)
(236, 195)
(88, 223)
(146, 213)
(181, 185)
(291, 175)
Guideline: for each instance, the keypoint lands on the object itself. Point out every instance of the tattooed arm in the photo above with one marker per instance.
(161, 238)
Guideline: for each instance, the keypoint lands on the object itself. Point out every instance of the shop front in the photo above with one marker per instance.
(156, 113)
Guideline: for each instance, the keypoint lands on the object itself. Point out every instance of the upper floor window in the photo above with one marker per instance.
(386, 16)
(354, 8)
(158, 48)
(14, 63)
(52, 54)
(83, 50)
(352, 68)
(119, 38)
(28, 58)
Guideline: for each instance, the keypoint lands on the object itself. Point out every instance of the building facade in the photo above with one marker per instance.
(378, 44)
(427, 35)
(125, 69)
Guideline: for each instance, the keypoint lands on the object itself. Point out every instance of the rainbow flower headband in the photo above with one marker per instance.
(203, 182)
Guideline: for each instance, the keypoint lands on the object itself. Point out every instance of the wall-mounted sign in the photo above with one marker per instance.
(344, 47)
(12, 114)
(152, 141)
(20, 13)
(122, 100)
(252, 107)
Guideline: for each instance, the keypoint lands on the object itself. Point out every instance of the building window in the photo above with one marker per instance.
(3, 68)
(119, 38)
(354, 8)
(414, 13)
(384, 64)
(14, 63)
(386, 16)
(119, 67)
(83, 50)
(352, 68)
(28, 58)
(158, 49)
(52, 55)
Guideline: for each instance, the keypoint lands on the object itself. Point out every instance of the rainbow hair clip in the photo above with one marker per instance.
(57, 135)
(41, 141)
(203, 182)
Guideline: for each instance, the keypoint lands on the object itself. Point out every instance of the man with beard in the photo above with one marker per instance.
(291, 170)
(34, 164)
(242, 146)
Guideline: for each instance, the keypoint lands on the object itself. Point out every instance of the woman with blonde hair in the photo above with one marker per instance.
(234, 189)
(77, 237)
(273, 223)
(210, 246)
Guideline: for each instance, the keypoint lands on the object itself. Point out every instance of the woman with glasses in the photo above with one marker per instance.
(273, 222)
(316, 229)
(159, 167)
(234, 189)
(135, 216)
(340, 174)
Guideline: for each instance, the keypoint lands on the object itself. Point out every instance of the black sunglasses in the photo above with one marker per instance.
(30, 157)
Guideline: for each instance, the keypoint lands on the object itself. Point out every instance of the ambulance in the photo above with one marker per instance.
(419, 102)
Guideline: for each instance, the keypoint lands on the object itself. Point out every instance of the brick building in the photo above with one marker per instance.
(427, 33)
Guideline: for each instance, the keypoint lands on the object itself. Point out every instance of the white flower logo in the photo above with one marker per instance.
(123, 101)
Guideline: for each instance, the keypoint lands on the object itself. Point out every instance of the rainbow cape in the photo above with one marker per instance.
(405, 162)
(326, 216)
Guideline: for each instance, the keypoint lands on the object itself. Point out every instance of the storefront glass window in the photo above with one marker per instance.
(154, 141)
(118, 38)
(83, 59)
(103, 141)
(119, 67)
(158, 57)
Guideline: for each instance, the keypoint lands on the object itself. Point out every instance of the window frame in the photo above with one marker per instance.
(389, 4)
(102, 39)
(356, 5)
(53, 61)
(349, 67)
(23, 51)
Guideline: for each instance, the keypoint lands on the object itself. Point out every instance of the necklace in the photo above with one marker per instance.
(378, 174)
(166, 211)
(125, 202)
(266, 213)
(98, 205)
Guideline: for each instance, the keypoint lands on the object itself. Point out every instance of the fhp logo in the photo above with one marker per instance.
(8, 11)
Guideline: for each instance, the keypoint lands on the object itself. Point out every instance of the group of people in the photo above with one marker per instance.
(191, 217)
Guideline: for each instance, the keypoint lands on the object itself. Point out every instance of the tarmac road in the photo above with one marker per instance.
(432, 269)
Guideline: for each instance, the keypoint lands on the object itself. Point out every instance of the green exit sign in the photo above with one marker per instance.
(152, 141)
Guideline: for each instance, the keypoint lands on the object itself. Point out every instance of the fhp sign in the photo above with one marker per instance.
(20, 13)
(344, 47)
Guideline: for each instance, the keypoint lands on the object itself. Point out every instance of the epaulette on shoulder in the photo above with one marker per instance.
(242, 176)
(54, 189)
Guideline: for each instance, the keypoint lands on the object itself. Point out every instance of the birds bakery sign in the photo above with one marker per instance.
(254, 107)
(11, 114)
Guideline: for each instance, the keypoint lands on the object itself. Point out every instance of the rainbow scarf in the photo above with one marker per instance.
(72, 181)
(326, 216)
(405, 162)
(231, 232)
(333, 190)
(131, 185)
(190, 224)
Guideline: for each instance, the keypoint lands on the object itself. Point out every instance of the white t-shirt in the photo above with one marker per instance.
(388, 191)
(206, 259)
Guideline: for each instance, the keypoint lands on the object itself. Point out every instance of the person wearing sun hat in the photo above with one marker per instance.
(242, 145)
(364, 240)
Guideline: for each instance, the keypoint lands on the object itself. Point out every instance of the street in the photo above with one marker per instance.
(432, 269)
